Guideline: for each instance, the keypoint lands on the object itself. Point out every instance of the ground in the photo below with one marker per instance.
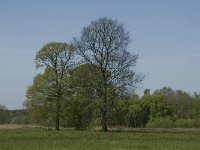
(141, 139)
(16, 126)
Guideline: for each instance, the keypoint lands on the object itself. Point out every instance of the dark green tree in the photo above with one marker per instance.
(4, 115)
(84, 85)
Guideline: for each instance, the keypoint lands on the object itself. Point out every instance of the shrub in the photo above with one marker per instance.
(186, 123)
(161, 123)
(197, 121)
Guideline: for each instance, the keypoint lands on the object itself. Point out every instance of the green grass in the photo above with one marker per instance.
(86, 140)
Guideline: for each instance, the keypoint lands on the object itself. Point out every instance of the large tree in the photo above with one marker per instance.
(48, 91)
(103, 44)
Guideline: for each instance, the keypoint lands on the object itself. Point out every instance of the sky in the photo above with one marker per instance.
(165, 34)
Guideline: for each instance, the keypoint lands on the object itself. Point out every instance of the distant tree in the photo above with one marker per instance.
(136, 114)
(196, 106)
(156, 106)
(147, 92)
(103, 44)
(169, 96)
(118, 115)
(197, 96)
(49, 89)
(4, 116)
(179, 102)
(183, 104)
(3, 107)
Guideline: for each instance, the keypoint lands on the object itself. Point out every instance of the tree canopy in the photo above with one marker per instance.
(103, 44)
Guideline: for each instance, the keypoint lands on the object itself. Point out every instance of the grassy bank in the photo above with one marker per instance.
(83, 140)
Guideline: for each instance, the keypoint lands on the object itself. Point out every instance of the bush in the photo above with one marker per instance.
(197, 121)
(161, 123)
(186, 123)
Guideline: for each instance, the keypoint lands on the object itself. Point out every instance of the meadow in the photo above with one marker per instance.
(38, 139)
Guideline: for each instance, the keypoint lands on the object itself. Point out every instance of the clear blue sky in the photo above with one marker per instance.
(165, 34)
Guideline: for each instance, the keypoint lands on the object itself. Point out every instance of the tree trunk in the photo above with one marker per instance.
(58, 115)
(57, 121)
(104, 121)
(104, 109)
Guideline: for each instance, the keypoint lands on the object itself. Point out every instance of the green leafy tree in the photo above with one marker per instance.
(103, 44)
(169, 97)
(4, 115)
(49, 90)
(39, 100)
(179, 102)
(118, 115)
(182, 104)
(196, 106)
(196, 96)
(156, 106)
(135, 114)
(84, 85)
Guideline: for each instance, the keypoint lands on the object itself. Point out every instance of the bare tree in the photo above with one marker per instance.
(103, 44)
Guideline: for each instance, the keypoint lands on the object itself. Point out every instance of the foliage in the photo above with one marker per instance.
(19, 117)
(13, 116)
(136, 115)
(3, 114)
(179, 102)
(186, 123)
(47, 95)
(103, 44)
(84, 92)
(79, 113)
(156, 106)
(183, 105)
(196, 108)
(39, 101)
(118, 115)
(162, 122)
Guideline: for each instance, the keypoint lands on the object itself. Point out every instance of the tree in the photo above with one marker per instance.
(119, 112)
(169, 96)
(49, 89)
(147, 92)
(39, 99)
(196, 106)
(103, 44)
(179, 102)
(183, 104)
(136, 114)
(3, 114)
(83, 85)
(196, 96)
(156, 106)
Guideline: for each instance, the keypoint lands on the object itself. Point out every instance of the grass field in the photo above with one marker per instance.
(36, 139)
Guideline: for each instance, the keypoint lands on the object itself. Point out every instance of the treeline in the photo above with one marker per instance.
(164, 108)
(13, 116)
